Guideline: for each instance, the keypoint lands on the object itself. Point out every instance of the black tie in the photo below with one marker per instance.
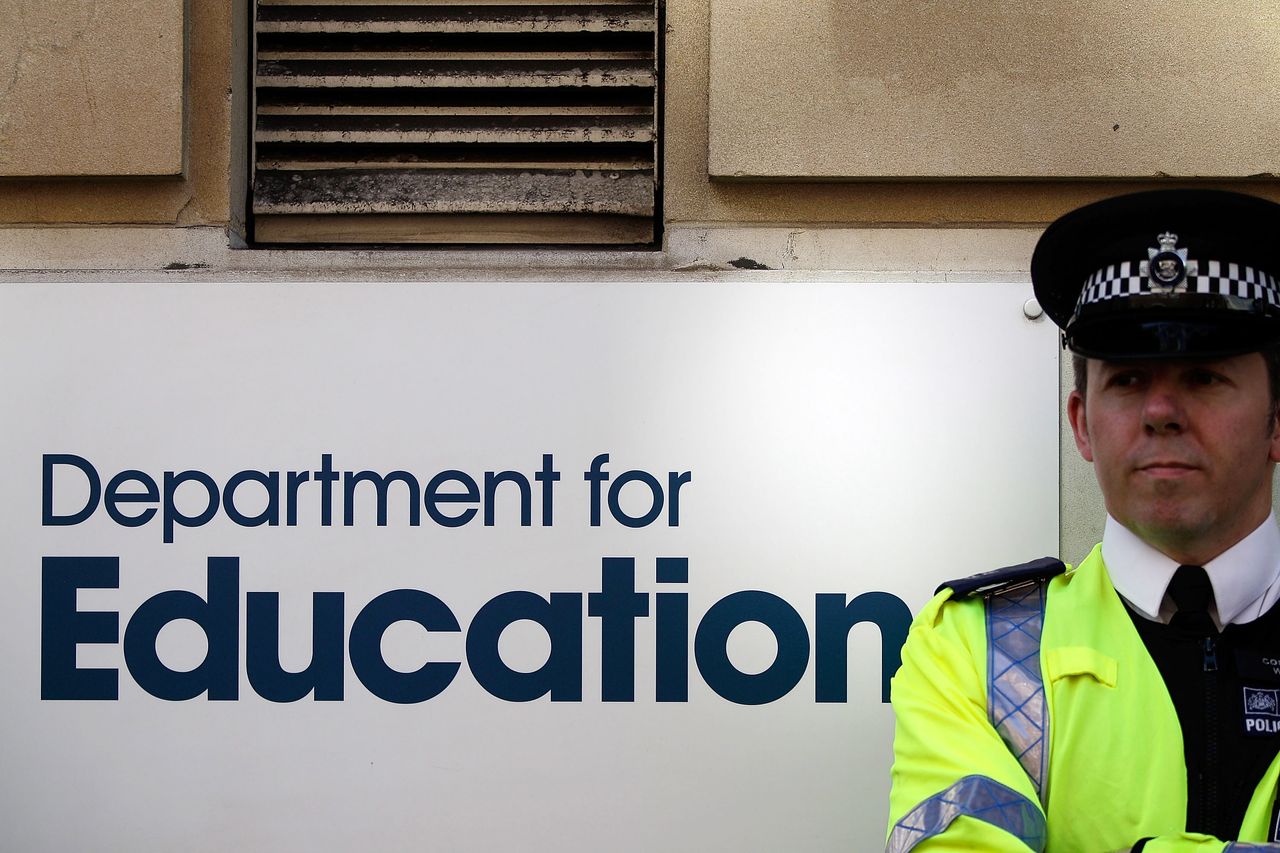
(1192, 594)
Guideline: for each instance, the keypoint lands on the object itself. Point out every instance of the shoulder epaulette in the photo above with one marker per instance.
(1001, 579)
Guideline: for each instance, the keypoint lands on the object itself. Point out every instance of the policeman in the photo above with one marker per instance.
(1133, 702)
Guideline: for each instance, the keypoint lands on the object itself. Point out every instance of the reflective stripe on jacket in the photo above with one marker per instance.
(1040, 722)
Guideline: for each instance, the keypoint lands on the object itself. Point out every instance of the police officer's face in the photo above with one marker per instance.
(1183, 450)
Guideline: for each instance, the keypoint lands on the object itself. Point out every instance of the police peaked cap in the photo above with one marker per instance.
(1163, 274)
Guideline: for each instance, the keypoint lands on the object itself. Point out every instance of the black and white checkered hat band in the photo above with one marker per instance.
(1210, 277)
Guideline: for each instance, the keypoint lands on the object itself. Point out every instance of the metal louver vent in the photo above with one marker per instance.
(497, 121)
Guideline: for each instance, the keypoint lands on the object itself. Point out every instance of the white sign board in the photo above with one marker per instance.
(478, 567)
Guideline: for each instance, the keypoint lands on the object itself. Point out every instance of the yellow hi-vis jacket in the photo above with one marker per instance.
(1079, 750)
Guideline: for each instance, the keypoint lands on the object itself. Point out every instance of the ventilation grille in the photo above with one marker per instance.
(429, 122)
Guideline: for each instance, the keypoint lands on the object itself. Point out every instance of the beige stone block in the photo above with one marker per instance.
(1001, 88)
(91, 87)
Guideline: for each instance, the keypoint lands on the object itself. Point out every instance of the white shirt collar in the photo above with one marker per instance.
(1245, 577)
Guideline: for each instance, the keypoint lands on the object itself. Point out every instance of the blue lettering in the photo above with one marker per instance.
(561, 675)
(171, 513)
(491, 481)
(710, 647)
(380, 484)
(326, 477)
(618, 604)
(546, 478)
(655, 499)
(150, 494)
(293, 480)
(218, 616)
(434, 496)
(62, 627)
(404, 688)
(595, 476)
(674, 481)
(672, 629)
(834, 621)
(270, 481)
(47, 517)
(323, 676)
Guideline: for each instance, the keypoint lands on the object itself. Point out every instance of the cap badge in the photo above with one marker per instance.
(1167, 265)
